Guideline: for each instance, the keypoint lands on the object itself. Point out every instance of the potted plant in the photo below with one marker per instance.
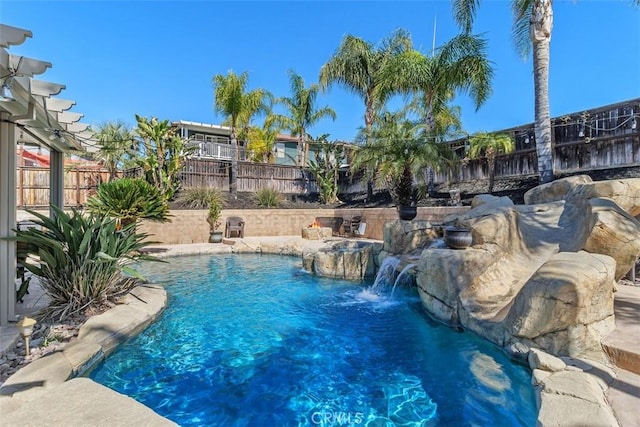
(397, 150)
(213, 218)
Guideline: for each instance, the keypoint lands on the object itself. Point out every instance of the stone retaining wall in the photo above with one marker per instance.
(190, 226)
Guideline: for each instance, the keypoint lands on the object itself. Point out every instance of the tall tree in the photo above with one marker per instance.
(460, 64)
(233, 101)
(162, 154)
(116, 140)
(357, 66)
(490, 145)
(302, 112)
(532, 25)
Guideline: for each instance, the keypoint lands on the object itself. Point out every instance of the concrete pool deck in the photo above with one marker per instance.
(41, 393)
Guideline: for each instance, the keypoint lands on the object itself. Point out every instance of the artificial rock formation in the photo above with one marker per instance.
(353, 260)
(540, 275)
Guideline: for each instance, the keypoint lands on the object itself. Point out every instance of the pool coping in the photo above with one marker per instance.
(567, 390)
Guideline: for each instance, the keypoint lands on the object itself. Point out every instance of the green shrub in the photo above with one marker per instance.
(82, 260)
(129, 199)
(200, 197)
(267, 198)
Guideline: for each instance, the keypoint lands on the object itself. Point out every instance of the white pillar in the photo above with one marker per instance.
(56, 179)
(7, 219)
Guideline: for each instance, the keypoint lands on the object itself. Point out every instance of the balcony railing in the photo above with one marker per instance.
(215, 150)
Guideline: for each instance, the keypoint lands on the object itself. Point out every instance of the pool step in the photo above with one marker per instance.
(623, 344)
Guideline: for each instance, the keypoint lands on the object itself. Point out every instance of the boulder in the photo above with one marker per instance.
(344, 260)
(625, 193)
(570, 398)
(492, 200)
(401, 237)
(539, 275)
(569, 289)
(615, 233)
(540, 360)
(555, 190)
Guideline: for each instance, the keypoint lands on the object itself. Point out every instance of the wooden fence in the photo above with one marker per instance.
(605, 137)
(80, 183)
(251, 176)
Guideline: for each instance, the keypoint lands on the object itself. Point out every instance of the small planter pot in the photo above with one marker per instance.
(215, 237)
(407, 213)
(458, 238)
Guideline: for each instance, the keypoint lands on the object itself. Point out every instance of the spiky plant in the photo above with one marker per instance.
(199, 197)
(267, 198)
(83, 260)
(128, 200)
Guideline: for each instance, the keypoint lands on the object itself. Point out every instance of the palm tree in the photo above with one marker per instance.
(261, 141)
(397, 150)
(357, 66)
(490, 144)
(239, 106)
(458, 65)
(115, 139)
(302, 112)
(532, 25)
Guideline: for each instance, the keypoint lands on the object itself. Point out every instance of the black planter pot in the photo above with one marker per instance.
(407, 213)
(458, 238)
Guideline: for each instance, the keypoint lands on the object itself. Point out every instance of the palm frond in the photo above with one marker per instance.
(464, 12)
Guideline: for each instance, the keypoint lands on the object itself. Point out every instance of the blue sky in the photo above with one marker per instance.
(157, 58)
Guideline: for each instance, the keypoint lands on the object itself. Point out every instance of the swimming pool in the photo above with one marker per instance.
(251, 340)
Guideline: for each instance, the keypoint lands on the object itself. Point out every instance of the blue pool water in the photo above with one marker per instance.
(251, 340)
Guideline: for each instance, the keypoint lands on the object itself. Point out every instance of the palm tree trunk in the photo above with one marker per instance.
(368, 123)
(430, 122)
(541, 24)
(233, 173)
(491, 159)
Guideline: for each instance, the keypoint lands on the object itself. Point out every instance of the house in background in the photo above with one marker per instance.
(214, 142)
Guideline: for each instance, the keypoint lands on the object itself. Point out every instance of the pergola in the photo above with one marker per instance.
(29, 115)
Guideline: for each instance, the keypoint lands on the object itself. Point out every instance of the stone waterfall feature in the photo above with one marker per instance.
(353, 260)
(542, 275)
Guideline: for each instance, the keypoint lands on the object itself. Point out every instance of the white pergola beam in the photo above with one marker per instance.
(68, 117)
(59, 105)
(21, 65)
(42, 88)
(75, 127)
(11, 36)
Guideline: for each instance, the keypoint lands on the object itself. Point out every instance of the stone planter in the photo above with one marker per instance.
(407, 213)
(458, 238)
(215, 237)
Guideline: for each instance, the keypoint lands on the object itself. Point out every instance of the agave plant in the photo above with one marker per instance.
(128, 200)
(83, 260)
